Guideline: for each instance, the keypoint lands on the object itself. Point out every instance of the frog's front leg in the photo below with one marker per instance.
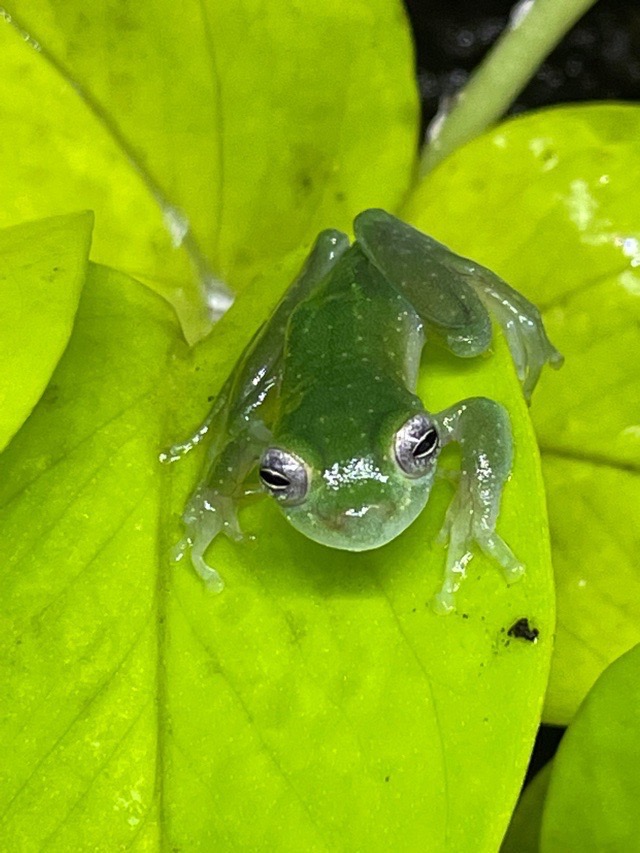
(213, 506)
(481, 427)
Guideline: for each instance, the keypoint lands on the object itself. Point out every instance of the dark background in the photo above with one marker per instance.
(599, 59)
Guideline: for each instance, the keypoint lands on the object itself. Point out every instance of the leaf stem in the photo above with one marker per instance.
(534, 29)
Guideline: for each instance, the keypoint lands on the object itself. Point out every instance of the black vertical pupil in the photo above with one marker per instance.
(274, 479)
(426, 445)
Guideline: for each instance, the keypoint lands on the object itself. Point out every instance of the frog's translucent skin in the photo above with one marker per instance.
(337, 363)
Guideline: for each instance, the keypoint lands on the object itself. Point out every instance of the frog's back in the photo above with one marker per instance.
(350, 364)
(356, 322)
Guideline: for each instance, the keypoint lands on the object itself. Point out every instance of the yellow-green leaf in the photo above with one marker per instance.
(246, 126)
(326, 688)
(317, 703)
(523, 835)
(80, 672)
(547, 201)
(42, 270)
(592, 800)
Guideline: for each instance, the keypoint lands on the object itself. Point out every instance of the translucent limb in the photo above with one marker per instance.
(523, 328)
(471, 522)
(177, 451)
(482, 429)
(206, 515)
(455, 296)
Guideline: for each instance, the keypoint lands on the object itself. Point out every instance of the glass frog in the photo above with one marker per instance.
(322, 404)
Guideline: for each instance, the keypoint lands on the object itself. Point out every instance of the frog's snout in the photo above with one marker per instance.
(360, 526)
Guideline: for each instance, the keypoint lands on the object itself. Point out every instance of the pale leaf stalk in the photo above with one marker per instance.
(534, 29)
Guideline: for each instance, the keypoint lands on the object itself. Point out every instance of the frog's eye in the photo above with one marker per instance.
(284, 476)
(416, 445)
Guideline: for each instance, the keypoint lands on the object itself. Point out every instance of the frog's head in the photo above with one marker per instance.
(358, 501)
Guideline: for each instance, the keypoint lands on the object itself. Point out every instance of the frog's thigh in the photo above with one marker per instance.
(416, 265)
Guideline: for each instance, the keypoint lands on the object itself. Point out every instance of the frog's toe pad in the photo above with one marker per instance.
(443, 603)
(212, 579)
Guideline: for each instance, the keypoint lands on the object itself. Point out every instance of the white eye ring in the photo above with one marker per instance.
(416, 445)
(284, 476)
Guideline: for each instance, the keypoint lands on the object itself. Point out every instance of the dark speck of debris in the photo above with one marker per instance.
(465, 615)
(210, 398)
(386, 778)
(521, 630)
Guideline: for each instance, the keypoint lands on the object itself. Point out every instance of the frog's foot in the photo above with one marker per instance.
(530, 347)
(468, 523)
(207, 514)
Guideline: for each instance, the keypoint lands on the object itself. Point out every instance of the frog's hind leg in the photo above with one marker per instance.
(236, 426)
(255, 373)
(453, 295)
(446, 303)
(177, 451)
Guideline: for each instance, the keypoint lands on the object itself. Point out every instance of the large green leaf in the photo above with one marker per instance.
(246, 126)
(594, 790)
(79, 665)
(318, 703)
(333, 696)
(546, 201)
(42, 270)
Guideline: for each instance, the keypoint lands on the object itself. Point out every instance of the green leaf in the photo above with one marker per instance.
(247, 127)
(554, 216)
(331, 691)
(79, 510)
(43, 269)
(592, 801)
(318, 690)
(523, 835)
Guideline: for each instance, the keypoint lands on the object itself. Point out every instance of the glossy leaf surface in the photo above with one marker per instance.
(318, 687)
(555, 217)
(42, 270)
(237, 130)
(79, 514)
